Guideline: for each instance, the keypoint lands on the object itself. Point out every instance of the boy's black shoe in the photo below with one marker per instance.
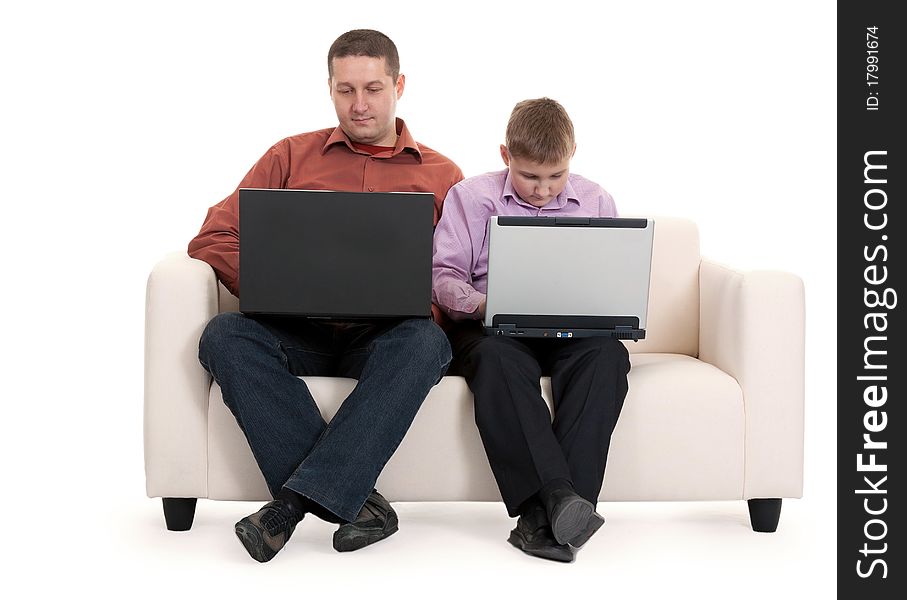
(376, 521)
(533, 536)
(573, 518)
(264, 533)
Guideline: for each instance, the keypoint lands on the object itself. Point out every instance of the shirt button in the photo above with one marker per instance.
(371, 189)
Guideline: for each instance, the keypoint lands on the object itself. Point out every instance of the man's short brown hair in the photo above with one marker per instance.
(366, 42)
(541, 131)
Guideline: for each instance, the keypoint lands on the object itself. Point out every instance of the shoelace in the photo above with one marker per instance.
(277, 518)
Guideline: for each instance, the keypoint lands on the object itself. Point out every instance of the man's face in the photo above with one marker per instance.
(365, 98)
(537, 184)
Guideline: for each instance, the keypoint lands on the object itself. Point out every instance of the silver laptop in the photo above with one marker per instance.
(567, 277)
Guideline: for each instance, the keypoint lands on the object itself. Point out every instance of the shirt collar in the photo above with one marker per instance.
(560, 201)
(405, 141)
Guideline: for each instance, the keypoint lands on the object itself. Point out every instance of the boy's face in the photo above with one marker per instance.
(535, 183)
(365, 99)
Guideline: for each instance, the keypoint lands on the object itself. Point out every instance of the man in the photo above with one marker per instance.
(328, 470)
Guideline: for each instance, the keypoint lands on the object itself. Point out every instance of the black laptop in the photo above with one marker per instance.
(335, 255)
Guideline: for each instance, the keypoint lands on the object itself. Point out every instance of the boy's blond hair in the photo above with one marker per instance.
(540, 130)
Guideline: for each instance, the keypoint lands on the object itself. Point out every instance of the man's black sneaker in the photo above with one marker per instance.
(573, 518)
(264, 533)
(533, 536)
(376, 521)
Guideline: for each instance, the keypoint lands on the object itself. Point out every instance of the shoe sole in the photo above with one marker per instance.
(252, 541)
(575, 523)
(546, 552)
(594, 524)
(358, 539)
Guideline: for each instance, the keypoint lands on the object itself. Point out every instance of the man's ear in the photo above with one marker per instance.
(401, 83)
(505, 155)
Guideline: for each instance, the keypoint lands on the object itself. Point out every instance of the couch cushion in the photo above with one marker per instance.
(673, 318)
(679, 437)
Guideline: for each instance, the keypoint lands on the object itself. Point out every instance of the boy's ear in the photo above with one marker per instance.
(572, 154)
(505, 156)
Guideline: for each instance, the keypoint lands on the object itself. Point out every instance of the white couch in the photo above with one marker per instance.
(714, 409)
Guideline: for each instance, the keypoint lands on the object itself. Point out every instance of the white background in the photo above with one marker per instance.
(122, 122)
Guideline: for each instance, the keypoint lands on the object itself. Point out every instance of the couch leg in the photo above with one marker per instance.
(764, 514)
(179, 513)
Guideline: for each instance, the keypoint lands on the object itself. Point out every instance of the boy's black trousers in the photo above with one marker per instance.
(525, 448)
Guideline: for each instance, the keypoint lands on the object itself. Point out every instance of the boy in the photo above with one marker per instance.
(549, 474)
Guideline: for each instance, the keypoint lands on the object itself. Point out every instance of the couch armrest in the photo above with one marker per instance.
(752, 327)
(181, 297)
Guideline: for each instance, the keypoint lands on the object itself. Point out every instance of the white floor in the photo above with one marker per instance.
(703, 550)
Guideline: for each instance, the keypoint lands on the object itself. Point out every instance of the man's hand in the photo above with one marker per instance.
(481, 310)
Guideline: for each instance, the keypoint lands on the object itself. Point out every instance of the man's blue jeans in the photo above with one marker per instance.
(256, 362)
